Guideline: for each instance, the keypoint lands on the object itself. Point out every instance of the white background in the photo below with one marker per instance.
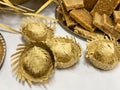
(82, 76)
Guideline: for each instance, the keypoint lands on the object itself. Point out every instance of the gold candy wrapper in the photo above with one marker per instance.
(66, 51)
(33, 63)
(103, 54)
(36, 30)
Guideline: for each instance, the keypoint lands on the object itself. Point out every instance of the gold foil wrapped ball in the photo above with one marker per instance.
(103, 54)
(35, 30)
(34, 63)
(66, 51)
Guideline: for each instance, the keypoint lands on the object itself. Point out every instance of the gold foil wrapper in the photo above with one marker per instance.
(103, 53)
(33, 63)
(66, 51)
(36, 30)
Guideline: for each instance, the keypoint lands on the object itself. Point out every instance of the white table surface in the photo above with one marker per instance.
(82, 76)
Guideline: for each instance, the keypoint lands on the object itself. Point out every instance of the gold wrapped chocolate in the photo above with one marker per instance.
(33, 63)
(66, 51)
(103, 54)
(36, 30)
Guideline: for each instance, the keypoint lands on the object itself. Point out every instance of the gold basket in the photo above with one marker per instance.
(2, 49)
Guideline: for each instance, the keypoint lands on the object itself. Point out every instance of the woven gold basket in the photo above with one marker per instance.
(2, 49)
